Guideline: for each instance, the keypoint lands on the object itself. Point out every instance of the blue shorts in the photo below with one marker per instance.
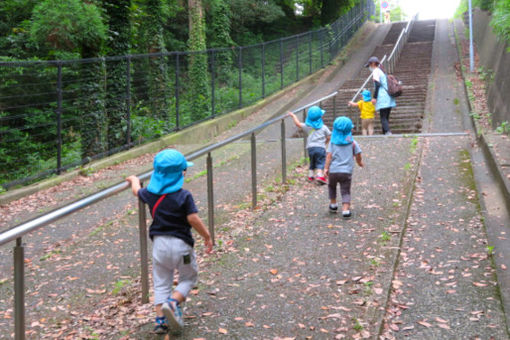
(317, 157)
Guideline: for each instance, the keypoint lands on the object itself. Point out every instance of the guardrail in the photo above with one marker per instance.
(17, 232)
(390, 62)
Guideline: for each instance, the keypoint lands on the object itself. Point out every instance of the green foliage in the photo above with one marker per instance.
(67, 25)
(501, 20)
(503, 128)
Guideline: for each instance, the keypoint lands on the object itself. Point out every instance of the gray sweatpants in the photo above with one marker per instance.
(345, 185)
(169, 254)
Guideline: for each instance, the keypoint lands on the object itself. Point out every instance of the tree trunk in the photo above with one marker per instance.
(197, 62)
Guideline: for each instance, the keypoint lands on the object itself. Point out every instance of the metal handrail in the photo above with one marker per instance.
(394, 55)
(17, 232)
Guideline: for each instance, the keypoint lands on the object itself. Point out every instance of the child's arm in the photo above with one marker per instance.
(359, 160)
(198, 225)
(353, 104)
(328, 163)
(135, 184)
(295, 119)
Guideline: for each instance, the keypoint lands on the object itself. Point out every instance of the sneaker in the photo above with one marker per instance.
(173, 313)
(321, 180)
(333, 208)
(388, 133)
(310, 179)
(161, 325)
(346, 214)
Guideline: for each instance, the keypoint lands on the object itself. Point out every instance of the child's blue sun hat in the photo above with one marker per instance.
(367, 96)
(314, 117)
(167, 176)
(342, 131)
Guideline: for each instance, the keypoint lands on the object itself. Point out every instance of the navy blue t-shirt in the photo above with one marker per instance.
(171, 214)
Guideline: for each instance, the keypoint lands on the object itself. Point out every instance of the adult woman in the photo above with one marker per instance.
(382, 100)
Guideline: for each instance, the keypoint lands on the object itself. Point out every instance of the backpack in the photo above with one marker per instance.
(394, 86)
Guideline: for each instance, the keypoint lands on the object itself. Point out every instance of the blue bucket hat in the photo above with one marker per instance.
(314, 117)
(342, 131)
(367, 96)
(167, 176)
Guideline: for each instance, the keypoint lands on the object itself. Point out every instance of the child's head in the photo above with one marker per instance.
(367, 96)
(168, 175)
(342, 131)
(314, 117)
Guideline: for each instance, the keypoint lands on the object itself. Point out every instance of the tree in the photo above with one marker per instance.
(118, 44)
(332, 9)
(72, 25)
(157, 76)
(197, 61)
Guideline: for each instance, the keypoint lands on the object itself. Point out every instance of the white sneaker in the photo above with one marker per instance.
(173, 314)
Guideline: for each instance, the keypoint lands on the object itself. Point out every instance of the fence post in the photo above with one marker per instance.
(263, 64)
(240, 66)
(128, 101)
(297, 58)
(310, 52)
(284, 153)
(59, 117)
(177, 67)
(253, 171)
(19, 291)
(210, 197)
(321, 34)
(281, 63)
(144, 260)
(212, 84)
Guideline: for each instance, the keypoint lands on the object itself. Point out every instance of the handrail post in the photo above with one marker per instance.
(144, 260)
(334, 107)
(19, 291)
(284, 153)
(210, 196)
(305, 136)
(253, 171)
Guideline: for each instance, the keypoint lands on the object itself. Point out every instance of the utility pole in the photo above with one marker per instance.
(471, 53)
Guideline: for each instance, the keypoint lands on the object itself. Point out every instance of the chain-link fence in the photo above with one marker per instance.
(56, 115)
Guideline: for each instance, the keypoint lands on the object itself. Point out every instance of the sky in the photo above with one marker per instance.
(430, 9)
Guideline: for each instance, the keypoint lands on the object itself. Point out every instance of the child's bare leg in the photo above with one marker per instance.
(332, 201)
(178, 296)
(159, 311)
(346, 206)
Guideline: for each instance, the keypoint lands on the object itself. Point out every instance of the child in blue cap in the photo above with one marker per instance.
(367, 112)
(318, 138)
(173, 213)
(340, 163)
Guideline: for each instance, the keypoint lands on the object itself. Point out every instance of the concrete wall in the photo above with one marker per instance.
(494, 56)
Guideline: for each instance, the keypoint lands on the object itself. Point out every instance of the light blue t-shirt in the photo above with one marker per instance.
(342, 157)
(316, 138)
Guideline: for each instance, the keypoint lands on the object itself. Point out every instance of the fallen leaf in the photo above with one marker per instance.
(222, 331)
(274, 271)
(425, 324)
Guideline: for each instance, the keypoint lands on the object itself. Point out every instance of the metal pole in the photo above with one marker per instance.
(240, 66)
(263, 64)
(320, 43)
(212, 83)
(334, 107)
(310, 52)
(380, 11)
(471, 53)
(297, 58)
(253, 171)
(281, 63)
(284, 153)
(304, 135)
(144, 260)
(210, 196)
(177, 67)
(128, 101)
(19, 291)
(59, 118)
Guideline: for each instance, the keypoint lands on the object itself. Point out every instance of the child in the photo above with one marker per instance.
(367, 112)
(340, 162)
(173, 215)
(318, 138)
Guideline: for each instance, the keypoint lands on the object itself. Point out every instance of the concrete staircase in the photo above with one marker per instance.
(413, 69)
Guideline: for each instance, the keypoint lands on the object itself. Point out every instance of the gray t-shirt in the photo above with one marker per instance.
(316, 138)
(342, 157)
